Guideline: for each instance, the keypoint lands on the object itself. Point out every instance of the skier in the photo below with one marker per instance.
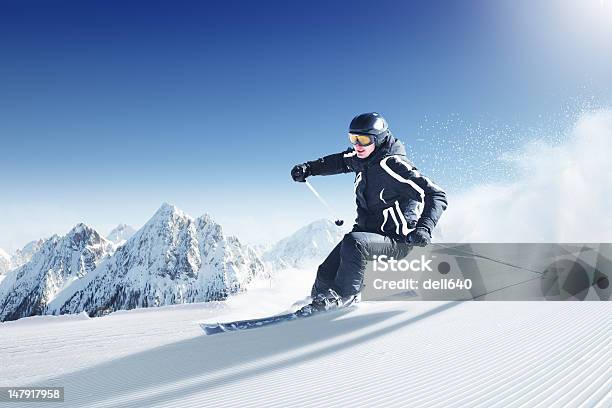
(397, 208)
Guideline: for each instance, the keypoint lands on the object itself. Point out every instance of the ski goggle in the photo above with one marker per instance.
(362, 140)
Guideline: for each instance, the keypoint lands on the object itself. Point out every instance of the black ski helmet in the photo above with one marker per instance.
(372, 124)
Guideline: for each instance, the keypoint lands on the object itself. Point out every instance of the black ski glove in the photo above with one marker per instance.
(419, 237)
(299, 172)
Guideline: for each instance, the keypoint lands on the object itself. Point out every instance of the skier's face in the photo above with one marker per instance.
(364, 151)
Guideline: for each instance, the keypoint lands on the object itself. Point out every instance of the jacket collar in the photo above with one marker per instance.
(390, 147)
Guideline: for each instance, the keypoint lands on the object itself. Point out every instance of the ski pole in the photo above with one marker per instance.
(465, 252)
(338, 221)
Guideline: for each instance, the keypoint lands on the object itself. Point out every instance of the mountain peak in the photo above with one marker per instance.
(25, 254)
(32, 246)
(81, 228)
(319, 225)
(59, 262)
(121, 233)
(311, 243)
(206, 218)
(173, 258)
(168, 207)
(208, 227)
(167, 210)
(5, 263)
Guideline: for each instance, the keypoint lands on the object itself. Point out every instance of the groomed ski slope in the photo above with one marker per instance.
(408, 354)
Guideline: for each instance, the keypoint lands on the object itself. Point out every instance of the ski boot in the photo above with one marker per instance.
(327, 301)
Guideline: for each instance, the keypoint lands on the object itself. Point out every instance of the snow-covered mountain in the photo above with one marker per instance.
(5, 263)
(172, 259)
(25, 254)
(120, 234)
(19, 258)
(310, 244)
(60, 261)
(261, 247)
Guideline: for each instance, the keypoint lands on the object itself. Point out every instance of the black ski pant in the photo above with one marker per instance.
(344, 268)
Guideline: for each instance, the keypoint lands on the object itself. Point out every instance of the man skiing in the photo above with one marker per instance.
(397, 207)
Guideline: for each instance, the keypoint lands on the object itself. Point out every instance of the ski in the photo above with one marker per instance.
(216, 328)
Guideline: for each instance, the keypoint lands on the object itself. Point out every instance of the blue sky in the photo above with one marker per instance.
(110, 108)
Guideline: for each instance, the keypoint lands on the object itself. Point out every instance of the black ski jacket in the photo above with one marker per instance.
(392, 196)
